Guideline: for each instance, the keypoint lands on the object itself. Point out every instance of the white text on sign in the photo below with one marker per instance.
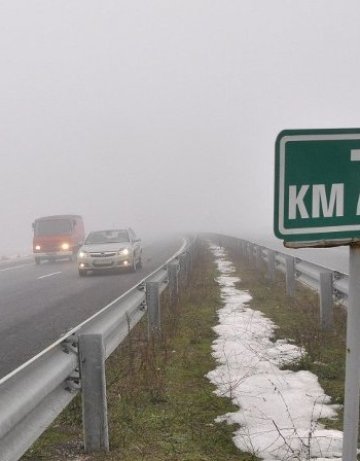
(321, 204)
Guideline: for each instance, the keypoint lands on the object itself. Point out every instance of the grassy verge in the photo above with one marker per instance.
(161, 406)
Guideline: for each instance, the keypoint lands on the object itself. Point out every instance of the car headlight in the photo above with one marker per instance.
(65, 246)
(124, 252)
(82, 254)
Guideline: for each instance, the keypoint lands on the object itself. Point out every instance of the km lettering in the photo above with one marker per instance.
(322, 204)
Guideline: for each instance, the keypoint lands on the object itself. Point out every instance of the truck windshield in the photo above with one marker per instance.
(53, 227)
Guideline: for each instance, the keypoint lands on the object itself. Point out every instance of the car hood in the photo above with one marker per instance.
(101, 247)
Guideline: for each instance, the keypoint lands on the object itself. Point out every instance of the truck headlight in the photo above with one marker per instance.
(37, 247)
(65, 246)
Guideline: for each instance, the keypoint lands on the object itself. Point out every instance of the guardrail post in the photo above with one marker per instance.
(246, 252)
(271, 264)
(290, 275)
(326, 300)
(258, 256)
(245, 249)
(238, 248)
(173, 269)
(242, 248)
(93, 386)
(183, 269)
(188, 259)
(251, 254)
(153, 307)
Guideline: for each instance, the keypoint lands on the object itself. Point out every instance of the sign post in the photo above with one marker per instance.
(351, 404)
(317, 204)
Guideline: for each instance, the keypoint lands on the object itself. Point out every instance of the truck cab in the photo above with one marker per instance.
(57, 237)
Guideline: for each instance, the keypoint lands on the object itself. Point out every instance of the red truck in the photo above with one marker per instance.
(58, 236)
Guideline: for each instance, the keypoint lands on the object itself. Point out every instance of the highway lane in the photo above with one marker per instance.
(38, 304)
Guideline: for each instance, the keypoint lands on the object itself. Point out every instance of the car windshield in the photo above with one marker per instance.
(108, 236)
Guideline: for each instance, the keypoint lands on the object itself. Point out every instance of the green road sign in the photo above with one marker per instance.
(317, 187)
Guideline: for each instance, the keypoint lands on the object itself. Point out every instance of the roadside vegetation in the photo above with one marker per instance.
(161, 407)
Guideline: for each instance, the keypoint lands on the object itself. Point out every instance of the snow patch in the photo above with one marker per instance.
(279, 410)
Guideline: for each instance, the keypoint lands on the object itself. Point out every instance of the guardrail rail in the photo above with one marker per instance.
(33, 395)
(332, 286)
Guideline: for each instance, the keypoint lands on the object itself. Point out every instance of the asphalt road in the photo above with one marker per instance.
(39, 304)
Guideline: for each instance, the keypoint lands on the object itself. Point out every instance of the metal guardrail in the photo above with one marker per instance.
(332, 286)
(33, 395)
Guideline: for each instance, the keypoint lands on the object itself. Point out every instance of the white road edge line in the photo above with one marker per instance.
(49, 275)
(13, 267)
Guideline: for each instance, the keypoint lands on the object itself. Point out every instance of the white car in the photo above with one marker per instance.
(110, 249)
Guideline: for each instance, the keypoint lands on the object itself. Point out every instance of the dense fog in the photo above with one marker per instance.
(162, 115)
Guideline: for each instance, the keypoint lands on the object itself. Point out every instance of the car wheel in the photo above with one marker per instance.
(140, 264)
(82, 272)
(134, 265)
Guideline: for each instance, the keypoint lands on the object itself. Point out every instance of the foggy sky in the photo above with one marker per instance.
(162, 115)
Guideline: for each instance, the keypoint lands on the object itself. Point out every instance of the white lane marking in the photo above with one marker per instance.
(49, 275)
(13, 267)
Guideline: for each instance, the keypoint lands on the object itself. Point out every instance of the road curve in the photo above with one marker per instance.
(38, 304)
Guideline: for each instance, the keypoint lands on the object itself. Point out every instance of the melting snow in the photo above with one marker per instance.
(278, 409)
